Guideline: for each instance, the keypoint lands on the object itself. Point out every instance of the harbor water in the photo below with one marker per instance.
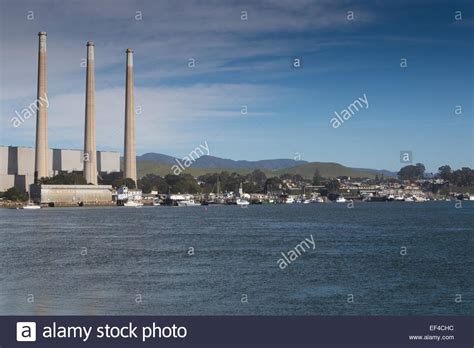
(371, 259)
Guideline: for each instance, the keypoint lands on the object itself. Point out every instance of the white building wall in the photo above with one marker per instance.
(71, 160)
(108, 161)
(72, 194)
(3, 160)
(26, 161)
(17, 164)
(6, 181)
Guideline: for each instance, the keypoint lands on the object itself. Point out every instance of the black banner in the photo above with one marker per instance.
(235, 331)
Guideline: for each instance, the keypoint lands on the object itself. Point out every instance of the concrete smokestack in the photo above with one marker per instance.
(41, 151)
(90, 155)
(130, 161)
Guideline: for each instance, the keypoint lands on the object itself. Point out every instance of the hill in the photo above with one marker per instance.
(217, 162)
(329, 170)
(160, 164)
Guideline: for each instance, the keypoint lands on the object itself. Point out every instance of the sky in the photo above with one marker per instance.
(412, 60)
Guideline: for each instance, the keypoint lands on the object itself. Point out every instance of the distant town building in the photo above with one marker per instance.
(124, 194)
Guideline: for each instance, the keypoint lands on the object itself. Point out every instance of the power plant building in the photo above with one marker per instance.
(67, 195)
(90, 158)
(17, 164)
(129, 152)
(41, 154)
(23, 167)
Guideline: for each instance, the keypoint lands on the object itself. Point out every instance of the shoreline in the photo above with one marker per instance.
(19, 206)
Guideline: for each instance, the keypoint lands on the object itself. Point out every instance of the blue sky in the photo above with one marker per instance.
(250, 63)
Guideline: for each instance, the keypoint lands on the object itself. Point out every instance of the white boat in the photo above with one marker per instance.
(290, 200)
(31, 206)
(340, 199)
(188, 203)
(156, 203)
(471, 198)
(306, 201)
(419, 199)
(242, 202)
(133, 204)
(317, 200)
(399, 198)
(409, 199)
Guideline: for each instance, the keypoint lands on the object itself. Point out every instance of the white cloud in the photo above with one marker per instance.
(168, 115)
(170, 33)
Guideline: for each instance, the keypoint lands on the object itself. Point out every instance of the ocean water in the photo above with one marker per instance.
(118, 260)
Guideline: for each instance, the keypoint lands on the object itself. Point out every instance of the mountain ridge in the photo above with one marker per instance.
(161, 164)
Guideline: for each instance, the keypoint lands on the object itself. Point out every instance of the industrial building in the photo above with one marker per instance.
(17, 164)
(23, 167)
(67, 195)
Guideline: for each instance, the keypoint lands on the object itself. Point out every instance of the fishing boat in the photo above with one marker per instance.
(242, 202)
(135, 204)
(31, 205)
(318, 199)
(188, 203)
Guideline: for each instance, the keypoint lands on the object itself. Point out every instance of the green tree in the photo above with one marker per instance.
(13, 194)
(109, 178)
(273, 184)
(257, 177)
(412, 172)
(333, 185)
(129, 182)
(317, 178)
(64, 179)
(445, 172)
(183, 183)
(297, 178)
(251, 187)
(152, 182)
(232, 182)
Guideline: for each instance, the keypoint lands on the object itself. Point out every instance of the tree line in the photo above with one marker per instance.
(463, 177)
(254, 182)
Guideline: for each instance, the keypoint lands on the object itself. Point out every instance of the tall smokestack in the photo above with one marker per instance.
(130, 162)
(41, 152)
(90, 157)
